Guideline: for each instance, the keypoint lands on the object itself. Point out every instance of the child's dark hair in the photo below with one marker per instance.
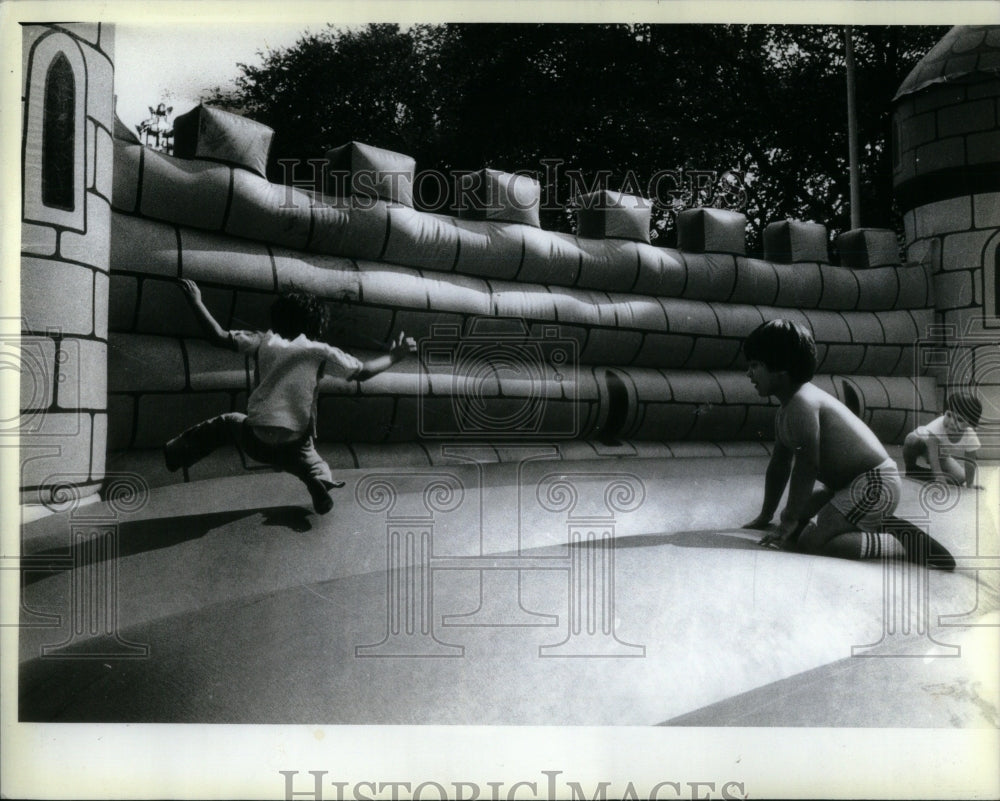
(965, 404)
(294, 313)
(783, 345)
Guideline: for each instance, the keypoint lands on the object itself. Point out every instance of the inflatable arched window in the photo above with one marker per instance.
(58, 135)
(55, 135)
(991, 282)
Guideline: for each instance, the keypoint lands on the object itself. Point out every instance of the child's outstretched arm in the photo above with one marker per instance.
(803, 424)
(970, 470)
(934, 456)
(214, 332)
(402, 346)
(778, 470)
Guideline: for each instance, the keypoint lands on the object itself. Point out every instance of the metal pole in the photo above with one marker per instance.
(852, 131)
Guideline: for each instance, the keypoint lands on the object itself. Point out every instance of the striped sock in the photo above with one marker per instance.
(878, 544)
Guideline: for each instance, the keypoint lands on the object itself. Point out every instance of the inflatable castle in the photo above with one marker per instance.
(598, 342)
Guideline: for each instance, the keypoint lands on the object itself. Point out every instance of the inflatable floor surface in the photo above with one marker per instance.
(533, 592)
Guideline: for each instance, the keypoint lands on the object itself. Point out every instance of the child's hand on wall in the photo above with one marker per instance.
(190, 289)
(402, 346)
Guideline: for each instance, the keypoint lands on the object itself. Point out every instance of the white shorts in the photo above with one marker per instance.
(871, 497)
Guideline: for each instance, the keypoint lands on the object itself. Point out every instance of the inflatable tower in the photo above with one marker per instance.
(947, 177)
(68, 118)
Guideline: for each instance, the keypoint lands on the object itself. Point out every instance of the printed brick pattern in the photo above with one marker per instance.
(64, 445)
(91, 248)
(757, 281)
(125, 183)
(38, 240)
(987, 209)
(102, 283)
(98, 446)
(611, 328)
(54, 43)
(417, 324)
(160, 417)
(221, 260)
(121, 421)
(710, 276)
(37, 369)
(846, 293)
(948, 125)
(266, 212)
(64, 287)
(551, 258)
(488, 249)
(100, 89)
(355, 229)
(144, 246)
(104, 157)
(801, 290)
(82, 382)
(662, 272)
(57, 294)
(663, 404)
(365, 456)
(187, 193)
(421, 240)
(371, 230)
(145, 363)
(608, 264)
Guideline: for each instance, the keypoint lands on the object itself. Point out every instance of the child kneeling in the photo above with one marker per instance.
(948, 443)
(281, 410)
(819, 439)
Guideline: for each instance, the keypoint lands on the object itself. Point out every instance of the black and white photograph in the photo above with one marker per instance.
(500, 400)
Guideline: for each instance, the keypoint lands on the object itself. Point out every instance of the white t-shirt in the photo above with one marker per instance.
(288, 377)
(947, 446)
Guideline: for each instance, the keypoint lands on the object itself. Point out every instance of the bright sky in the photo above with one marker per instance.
(175, 64)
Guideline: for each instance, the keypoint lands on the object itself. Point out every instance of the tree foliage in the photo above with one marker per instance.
(611, 104)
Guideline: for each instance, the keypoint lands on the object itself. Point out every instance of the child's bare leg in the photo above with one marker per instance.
(834, 535)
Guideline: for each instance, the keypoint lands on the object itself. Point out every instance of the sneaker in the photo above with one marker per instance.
(920, 547)
(172, 454)
(322, 502)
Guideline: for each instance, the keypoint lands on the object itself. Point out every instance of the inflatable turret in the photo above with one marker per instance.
(947, 178)
(68, 112)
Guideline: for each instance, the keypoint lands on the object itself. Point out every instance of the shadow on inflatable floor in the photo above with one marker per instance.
(141, 536)
(739, 539)
(919, 546)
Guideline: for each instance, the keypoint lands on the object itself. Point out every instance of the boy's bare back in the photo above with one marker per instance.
(814, 423)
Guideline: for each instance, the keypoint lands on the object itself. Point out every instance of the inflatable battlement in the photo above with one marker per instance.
(650, 336)
(220, 186)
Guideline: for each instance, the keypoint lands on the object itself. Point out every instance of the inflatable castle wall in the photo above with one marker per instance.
(68, 164)
(599, 342)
